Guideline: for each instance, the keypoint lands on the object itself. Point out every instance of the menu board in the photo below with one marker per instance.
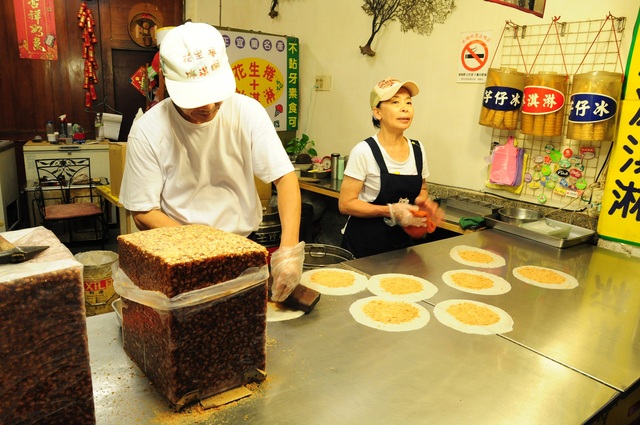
(266, 67)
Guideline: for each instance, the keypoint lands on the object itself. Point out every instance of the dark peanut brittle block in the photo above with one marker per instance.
(197, 351)
(174, 260)
(45, 375)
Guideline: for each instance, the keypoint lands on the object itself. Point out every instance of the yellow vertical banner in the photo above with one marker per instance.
(631, 89)
(620, 213)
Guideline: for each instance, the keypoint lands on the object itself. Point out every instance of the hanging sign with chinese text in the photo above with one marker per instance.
(620, 211)
(502, 99)
(543, 105)
(540, 100)
(36, 29)
(265, 67)
(592, 107)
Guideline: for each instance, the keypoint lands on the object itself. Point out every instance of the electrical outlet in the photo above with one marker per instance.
(323, 83)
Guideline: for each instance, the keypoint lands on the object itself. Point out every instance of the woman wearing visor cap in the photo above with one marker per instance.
(384, 188)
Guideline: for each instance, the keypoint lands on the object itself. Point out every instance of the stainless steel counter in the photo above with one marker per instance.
(592, 328)
(328, 187)
(325, 368)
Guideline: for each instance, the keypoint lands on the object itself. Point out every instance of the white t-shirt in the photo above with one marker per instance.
(203, 173)
(363, 166)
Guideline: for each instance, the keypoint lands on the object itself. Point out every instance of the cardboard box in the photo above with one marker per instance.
(117, 155)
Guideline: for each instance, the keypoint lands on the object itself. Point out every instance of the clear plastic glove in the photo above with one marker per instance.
(286, 269)
(400, 214)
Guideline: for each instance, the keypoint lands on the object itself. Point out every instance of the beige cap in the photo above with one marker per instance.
(195, 65)
(388, 87)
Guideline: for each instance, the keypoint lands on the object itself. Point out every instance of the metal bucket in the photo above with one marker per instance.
(321, 255)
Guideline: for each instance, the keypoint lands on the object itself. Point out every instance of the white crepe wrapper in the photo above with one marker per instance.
(569, 283)
(504, 325)
(428, 289)
(359, 283)
(497, 260)
(357, 312)
(500, 285)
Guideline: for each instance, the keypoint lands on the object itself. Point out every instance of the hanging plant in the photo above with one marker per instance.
(413, 15)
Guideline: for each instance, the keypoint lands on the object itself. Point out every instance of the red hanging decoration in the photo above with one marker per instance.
(89, 39)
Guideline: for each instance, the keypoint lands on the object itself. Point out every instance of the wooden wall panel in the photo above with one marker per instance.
(35, 91)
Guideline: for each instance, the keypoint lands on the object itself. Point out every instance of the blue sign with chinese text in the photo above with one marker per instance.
(502, 98)
(591, 107)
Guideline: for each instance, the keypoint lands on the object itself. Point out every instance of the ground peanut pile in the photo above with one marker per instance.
(472, 281)
(542, 276)
(400, 285)
(472, 314)
(475, 256)
(393, 312)
(333, 278)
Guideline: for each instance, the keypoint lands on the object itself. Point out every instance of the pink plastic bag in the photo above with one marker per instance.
(504, 165)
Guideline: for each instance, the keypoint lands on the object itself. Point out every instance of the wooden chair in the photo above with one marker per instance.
(65, 199)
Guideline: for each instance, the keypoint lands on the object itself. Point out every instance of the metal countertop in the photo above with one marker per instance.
(324, 368)
(592, 328)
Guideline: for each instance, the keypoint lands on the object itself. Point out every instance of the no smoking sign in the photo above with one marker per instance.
(475, 55)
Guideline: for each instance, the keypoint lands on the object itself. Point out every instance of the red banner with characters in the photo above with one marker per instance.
(36, 28)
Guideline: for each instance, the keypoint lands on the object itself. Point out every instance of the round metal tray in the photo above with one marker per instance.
(321, 255)
(518, 216)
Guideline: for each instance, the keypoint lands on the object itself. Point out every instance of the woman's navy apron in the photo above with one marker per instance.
(369, 236)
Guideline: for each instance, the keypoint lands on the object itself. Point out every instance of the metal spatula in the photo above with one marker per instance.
(9, 253)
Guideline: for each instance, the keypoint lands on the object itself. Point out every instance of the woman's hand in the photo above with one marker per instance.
(435, 213)
(402, 215)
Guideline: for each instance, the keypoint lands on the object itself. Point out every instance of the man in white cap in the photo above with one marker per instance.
(192, 157)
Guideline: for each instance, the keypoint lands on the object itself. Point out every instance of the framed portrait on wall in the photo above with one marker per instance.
(535, 7)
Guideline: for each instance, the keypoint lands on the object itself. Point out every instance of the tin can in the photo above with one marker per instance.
(543, 104)
(595, 97)
(98, 280)
(502, 98)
